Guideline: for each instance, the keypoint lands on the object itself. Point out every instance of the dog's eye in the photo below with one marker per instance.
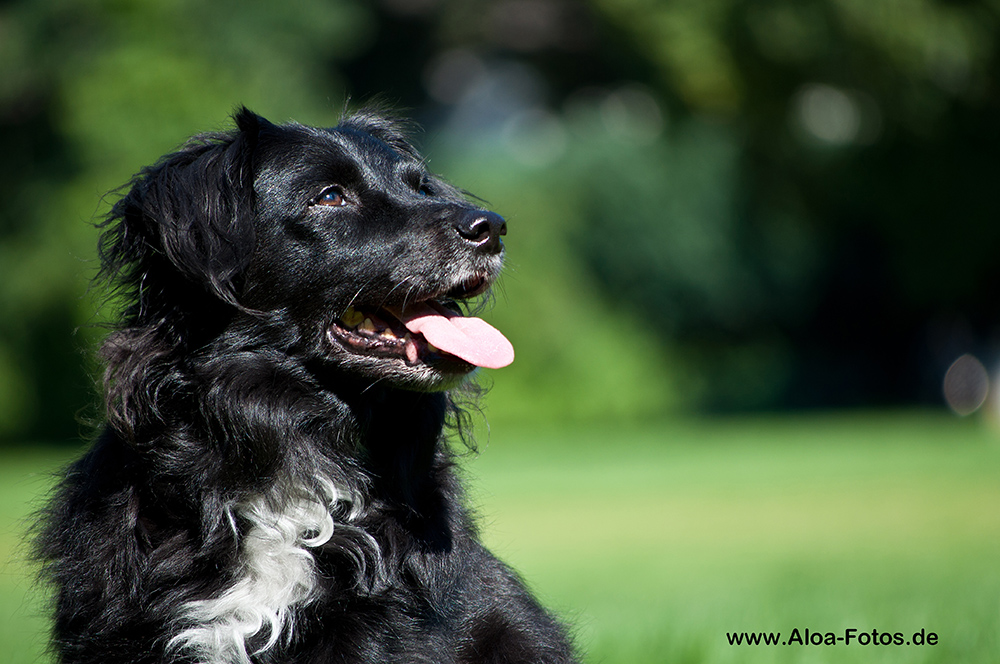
(331, 196)
(425, 189)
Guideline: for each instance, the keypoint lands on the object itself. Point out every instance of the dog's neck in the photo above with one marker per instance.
(400, 438)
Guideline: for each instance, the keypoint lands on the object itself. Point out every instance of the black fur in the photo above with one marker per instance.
(228, 390)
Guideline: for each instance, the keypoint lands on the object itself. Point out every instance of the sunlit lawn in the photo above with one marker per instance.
(656, 541)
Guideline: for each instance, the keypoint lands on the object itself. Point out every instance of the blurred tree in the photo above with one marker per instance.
(868, 148)
(812, 224)
(779, 203)
(89, 93)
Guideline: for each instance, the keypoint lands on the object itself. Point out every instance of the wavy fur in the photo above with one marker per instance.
(267, 487)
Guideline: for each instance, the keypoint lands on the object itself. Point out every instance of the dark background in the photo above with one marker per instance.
(714, 206)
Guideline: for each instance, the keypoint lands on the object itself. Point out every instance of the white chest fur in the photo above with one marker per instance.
(276, 575)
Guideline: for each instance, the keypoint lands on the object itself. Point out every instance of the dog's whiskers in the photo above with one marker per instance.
(286, 477)
(409, 293)
(373, 384)
(354, 298)
(400, 283)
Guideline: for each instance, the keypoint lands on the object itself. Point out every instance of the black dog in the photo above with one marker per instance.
(272, 483)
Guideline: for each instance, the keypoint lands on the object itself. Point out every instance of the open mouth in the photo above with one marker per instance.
(431, 331)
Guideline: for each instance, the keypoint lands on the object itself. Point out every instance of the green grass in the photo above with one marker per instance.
(25, 476)
(655, 541)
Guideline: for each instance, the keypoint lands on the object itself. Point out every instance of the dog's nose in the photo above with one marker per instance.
(483, 229)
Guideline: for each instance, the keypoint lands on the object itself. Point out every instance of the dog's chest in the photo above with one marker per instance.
(275, 575)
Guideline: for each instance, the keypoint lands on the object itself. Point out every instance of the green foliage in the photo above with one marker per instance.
(857, 204)
(713, 204)
(578, 357)
(90, 93)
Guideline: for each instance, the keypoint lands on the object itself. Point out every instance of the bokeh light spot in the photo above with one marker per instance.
(966, 385)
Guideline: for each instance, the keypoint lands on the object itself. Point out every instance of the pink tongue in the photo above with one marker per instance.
(472, 339)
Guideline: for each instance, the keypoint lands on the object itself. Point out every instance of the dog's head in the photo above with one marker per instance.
(336, 245)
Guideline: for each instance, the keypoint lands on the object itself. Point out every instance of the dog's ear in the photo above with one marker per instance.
(249, 123)
(186, 222)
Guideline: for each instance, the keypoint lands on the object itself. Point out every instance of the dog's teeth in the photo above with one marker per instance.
(352, 317)
(367, 325)
(389, 333)
(432, 348)
(412, 354)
